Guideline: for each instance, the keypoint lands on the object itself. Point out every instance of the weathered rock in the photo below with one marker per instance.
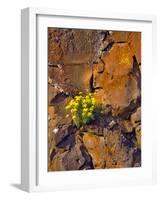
(74, 159)
(118, 61)
(93, 129)
(137, 158)
(51, 113)
(57, 75)
(52, 91)
(70, 78)
(119, 36)
(99, 67)
(112, 124)
(126, 126)
(135, 45)
(96, 148)
(116, 85)
(56, 119)
(136, 117)
(52, 122)
(111, 151)
(73, 46)
(64, 138)
(119, 153)
(118, 93)
(102, 121)
(138, 136)
(59, 80)
(100, 124)
(60, 111)
(79, 76)
(132, 38)
(107, 109)
(56, 163)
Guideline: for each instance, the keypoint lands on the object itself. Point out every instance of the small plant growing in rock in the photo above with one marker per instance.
(83, 109)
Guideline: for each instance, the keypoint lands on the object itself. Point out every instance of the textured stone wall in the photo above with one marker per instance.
(107, 63)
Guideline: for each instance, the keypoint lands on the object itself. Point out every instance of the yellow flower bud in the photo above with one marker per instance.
(91, 94)
(84, 101)
(89, 114)
(85, 109)
(91, 108)
(93, 100)
(84, 105)
(77, 97)
(71, 102)
(67, 107)
(73, 110)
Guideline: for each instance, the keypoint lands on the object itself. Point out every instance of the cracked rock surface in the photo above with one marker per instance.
(107, 63)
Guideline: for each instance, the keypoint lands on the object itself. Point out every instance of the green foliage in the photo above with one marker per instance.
(83, 109)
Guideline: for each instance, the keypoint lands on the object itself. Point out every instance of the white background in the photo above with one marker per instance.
(10, 98)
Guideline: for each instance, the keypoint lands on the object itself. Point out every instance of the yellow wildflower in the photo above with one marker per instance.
(67, 107)
(87, 97)
(89, 114)
(73, 110)
(71, 102)
(84, 105)
(93, 100)
(85, 109)
(91, 108)
(75, 104)
(83, 101)
(77, 98)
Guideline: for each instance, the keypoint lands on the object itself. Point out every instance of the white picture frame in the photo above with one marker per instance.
(33, 175)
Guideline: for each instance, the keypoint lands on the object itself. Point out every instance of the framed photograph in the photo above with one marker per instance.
(86, 105)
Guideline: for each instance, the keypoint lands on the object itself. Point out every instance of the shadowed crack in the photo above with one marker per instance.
(108, 47)
(59, 98)
(136, 71)
(52, 155)
(91, 83)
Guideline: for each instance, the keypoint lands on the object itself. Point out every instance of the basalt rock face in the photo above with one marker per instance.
(107, 63)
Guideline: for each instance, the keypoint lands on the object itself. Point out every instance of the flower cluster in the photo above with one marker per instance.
(82, 109)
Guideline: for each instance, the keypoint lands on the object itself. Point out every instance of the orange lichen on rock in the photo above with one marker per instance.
(96, 148)
(118, 86)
